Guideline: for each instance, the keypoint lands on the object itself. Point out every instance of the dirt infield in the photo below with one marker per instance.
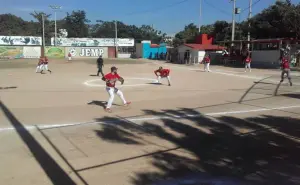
(226, 125)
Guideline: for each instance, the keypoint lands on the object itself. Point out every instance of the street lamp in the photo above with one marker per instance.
(55, 8)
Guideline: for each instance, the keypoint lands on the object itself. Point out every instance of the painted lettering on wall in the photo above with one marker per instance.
(89, 52)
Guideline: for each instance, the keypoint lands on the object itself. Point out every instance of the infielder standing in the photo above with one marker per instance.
(40, 64)
(248, 63)
(162, 73)
(45, 66)
(285, 67)
(69, 56)
(111, 79)
(206, 63)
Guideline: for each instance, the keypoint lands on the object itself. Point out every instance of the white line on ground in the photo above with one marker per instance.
(230, 73)
(30, 127)
(90, 83)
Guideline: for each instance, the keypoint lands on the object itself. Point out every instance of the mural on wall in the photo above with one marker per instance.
(11, 52)
(31, 52)
(86, 52)
(55, 52)
(92, 42)
(20, 40)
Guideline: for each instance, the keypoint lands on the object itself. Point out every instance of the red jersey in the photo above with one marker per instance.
(285, 63)
(69, 55)
(162, 72)
(41, 61)
(46, 61)
(248, 60)
(111, 79)
(206, 59)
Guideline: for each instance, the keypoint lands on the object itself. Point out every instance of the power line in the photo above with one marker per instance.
(157, 9)
(253, 4)
(213, 6)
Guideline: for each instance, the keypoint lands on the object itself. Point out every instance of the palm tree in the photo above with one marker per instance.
(39, 15)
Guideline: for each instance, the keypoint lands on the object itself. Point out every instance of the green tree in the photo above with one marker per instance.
(13, 25)
(188, 35)
(106, 29)
(76, 24)
(274, 21)
(207, 29)
(38, 26)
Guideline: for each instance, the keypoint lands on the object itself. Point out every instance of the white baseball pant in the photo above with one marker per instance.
(38, 68)
(111, 92)
(159, 78)
(206, 66)
(44, 67)
(247, 65)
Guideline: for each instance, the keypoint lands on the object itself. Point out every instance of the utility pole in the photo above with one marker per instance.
(249, 25)
(233, 22)
(54, 7)
(43, 23)
(116, 38)
(200, 16)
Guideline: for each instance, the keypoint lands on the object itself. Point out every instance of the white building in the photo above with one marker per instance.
(196, 52)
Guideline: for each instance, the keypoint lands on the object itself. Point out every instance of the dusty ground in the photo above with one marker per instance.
(226, 124)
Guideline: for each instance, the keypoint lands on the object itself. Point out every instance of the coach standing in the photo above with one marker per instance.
(100, 65)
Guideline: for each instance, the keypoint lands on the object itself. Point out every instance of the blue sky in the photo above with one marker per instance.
(157, 12)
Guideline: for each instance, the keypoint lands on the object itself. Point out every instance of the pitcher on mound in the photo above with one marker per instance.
(111, 79)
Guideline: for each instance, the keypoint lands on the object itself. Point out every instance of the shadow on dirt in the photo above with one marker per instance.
(255, 150)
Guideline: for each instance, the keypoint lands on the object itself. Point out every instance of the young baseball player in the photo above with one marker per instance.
(206, 61)
(111, 79)
(285, 67)
(40, 64)
(69, 56)
(162, 73)
(247, 63)
(45, 66)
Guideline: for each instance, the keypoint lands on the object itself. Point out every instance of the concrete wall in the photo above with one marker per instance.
(87, 52)
(139, 50)
(14, 52)
(31, 51)
(124, 55)
(150, 52)
(195, 55)
(11, 52)
(265, 57)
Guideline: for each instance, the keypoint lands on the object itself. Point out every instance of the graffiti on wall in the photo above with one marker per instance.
(87, 52)
(20, 40)
(11, 52)
(55, 52)
(93, 42)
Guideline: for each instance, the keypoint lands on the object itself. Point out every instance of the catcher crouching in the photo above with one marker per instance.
(111, 79)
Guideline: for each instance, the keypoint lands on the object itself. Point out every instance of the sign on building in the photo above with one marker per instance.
(20, 40)
(11, 52)
(87, 52)
(92, 42)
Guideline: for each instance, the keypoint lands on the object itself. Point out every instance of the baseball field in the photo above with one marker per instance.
(208, 127)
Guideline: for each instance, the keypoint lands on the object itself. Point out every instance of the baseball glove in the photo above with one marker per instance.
(103, 78)
(121, 80)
